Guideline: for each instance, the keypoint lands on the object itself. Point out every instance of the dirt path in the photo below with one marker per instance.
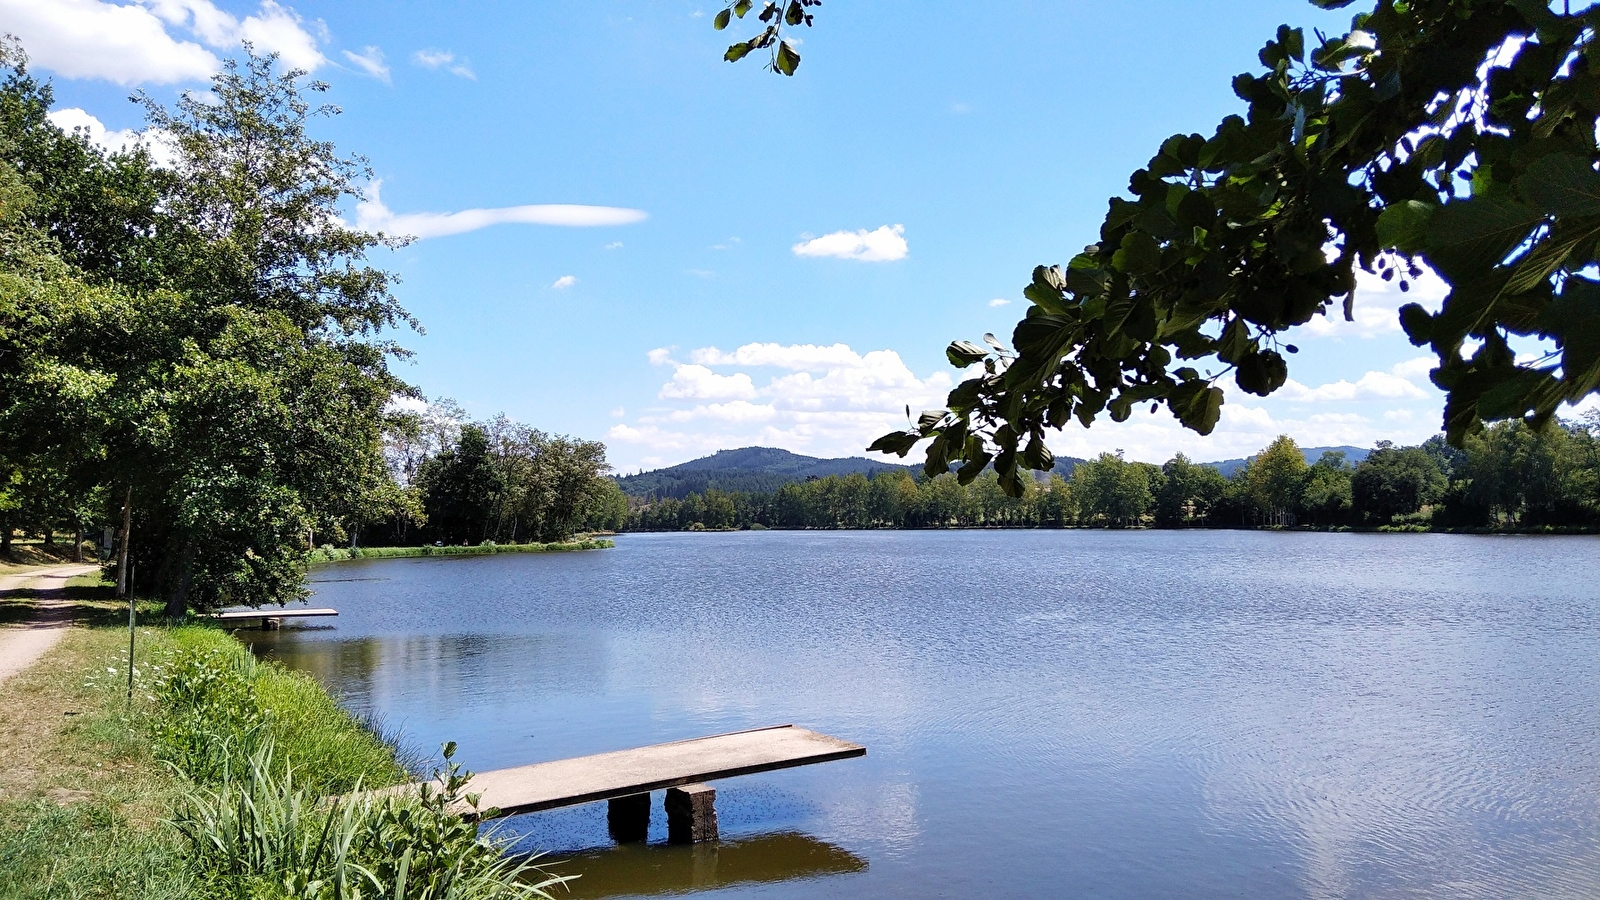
(21, 645)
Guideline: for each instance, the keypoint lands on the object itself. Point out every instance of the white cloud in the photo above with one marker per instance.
(370, 61)
(999, 301)
(373, 215)
(1371, 386)
(808, 357)
(1416, 370)
(614, 245)
(827, 400)
(564, 282)
(1377, 307)
(277, 29)
(692, 382)
(886, 244)
(446, 60)
(162, 150)
(831, 400)
(134, 44)
(88, 39)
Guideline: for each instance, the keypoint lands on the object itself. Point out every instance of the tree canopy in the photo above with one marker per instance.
(1457, 135)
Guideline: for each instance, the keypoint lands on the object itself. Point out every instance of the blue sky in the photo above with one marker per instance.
(803, 248)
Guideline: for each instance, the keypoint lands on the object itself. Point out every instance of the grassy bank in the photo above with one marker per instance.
(211, 783)
(334, 554)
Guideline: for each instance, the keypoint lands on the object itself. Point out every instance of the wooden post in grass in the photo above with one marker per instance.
(130, 648)
(122, 554)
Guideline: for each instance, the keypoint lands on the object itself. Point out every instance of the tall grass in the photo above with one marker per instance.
(264, 835)
(265, 749)
(218, 705)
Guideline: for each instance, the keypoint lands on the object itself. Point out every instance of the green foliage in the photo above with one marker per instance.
(206, 337)
(220, 707)
(260, 833)
(1453, 134)
(1187, 493)
(1112, 491)
(264, 748)
(774, 16)
(1325, 498)
(502, 481)
(1275, 480)
(1395, 482)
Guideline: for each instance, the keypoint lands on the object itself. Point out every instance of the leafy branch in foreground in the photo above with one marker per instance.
(1453, 134)
(775, 14)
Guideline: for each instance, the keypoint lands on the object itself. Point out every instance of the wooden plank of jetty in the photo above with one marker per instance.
(628, 773)
(236, 615)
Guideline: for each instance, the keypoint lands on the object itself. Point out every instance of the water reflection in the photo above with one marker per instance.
(647, 870)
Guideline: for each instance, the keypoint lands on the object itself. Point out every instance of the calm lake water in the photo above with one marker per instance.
(1078, 713)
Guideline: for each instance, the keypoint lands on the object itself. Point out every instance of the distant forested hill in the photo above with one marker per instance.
(759, 470)
(1352, 455)
(762, 470)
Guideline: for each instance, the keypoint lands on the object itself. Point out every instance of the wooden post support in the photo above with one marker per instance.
(628, 818)
(691, 814)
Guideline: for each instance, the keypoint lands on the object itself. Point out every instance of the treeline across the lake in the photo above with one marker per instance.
(1509, 477)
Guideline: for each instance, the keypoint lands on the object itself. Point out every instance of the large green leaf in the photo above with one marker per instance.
(1477, 233)
(1404, 226)
(1562, 185)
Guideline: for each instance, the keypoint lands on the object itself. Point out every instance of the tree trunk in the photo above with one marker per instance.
(178, 596)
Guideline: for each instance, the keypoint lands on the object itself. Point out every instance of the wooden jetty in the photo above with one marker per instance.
(625, 778)
(270, 619)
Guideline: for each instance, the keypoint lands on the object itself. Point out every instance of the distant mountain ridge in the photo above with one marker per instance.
(762, 470)
(1352, 455)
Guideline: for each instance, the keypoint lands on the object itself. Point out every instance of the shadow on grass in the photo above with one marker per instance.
(95, 606)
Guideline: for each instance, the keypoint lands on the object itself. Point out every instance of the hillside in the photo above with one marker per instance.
(751, 469)
(1352, 455)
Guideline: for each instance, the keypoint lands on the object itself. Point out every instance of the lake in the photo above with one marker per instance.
(1047, 713)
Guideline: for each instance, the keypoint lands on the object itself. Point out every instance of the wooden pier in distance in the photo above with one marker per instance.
(626, 778)
(270, 619)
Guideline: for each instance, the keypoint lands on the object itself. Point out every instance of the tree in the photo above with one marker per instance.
(1325, 499)
(1275, 480)
(1112, 491)
(1395, 482)
(459, 487)
(1187, 493)
(1453, 134)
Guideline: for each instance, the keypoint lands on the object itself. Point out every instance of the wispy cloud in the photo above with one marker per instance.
(446, 60)
(614, 245)
(885, 244)
(370, 61)
(564, 282)
(373, 215)
(999, 301)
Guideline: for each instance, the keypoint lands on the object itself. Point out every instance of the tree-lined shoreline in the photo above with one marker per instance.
(1509, 478)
